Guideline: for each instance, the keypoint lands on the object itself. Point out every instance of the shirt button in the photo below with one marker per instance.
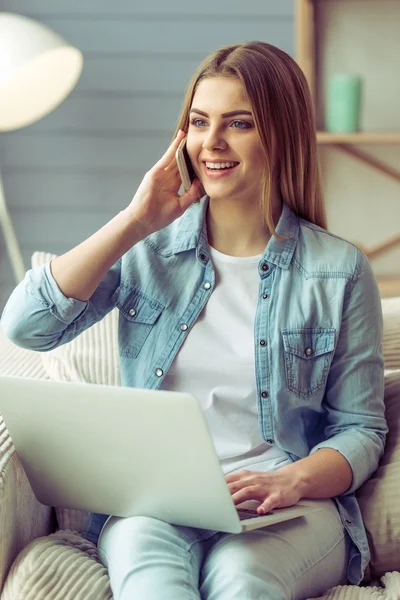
(207, 286)
(308, 351)
(183, 327)
(263, 343)
(348, 521)
(203, 257)
(132, 312)
(264, 394)
(269, 441)
(159, 372)
(265, 296)
(265, 267)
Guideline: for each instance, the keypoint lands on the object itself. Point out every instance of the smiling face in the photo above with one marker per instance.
(222, 141)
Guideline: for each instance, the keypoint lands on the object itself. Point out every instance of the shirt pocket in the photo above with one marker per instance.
(138, 315)
(308, 355)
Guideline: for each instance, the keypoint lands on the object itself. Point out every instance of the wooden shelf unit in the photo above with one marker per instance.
(305, 29)
(360, 137)
(389, 286)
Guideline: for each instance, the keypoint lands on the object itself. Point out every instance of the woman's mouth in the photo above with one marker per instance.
(220, 169)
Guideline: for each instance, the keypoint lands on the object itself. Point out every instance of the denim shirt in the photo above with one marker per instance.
(317, 337)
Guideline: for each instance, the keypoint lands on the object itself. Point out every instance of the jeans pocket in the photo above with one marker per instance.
(308, 355)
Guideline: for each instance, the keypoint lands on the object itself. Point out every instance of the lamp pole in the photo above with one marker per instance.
(38, 69)
(13, 249)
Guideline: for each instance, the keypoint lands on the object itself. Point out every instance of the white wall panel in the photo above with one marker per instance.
(68, 189)
(67, 175)
(93, 151)
(162, 37)
(79, 226)
(112, 114)
(150, 74)
(203, 9)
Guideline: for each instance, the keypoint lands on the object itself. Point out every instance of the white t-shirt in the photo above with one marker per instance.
(216, 364)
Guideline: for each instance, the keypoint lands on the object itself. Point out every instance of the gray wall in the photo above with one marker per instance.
(70, 173)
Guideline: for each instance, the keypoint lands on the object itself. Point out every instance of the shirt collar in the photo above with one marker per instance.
(280, 252)
(190, 232)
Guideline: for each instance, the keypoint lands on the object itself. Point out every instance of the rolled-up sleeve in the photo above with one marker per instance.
(38, 316)
(354, 399)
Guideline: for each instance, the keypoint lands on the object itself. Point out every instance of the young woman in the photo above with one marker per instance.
(245, 300)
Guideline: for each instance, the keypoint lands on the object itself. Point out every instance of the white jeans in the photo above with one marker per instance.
(148, 559)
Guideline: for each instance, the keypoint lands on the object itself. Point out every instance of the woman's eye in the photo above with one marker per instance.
(237, 124)
(241, 125)
(197, 122)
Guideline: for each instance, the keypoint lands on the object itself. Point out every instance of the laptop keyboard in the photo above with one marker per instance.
(248, 513)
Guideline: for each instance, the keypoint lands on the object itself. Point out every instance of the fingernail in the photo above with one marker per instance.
(261, 511)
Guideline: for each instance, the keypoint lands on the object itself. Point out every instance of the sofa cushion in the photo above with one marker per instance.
(391, 332)
(386, 589)
(61, 565)
(19, 362)
(64, 565)
(93, 356)
(379, 495)
(22, 518)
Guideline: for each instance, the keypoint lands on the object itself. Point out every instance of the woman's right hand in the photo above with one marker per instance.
(156, 203)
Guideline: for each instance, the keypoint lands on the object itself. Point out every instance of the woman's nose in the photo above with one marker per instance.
(214, 140)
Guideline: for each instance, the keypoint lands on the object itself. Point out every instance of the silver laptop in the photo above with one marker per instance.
(125, 452)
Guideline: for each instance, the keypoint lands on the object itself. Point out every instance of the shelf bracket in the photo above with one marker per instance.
(380, 248)
(370, 161)
(382, 168)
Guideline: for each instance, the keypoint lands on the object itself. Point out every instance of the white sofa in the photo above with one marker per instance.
(42, 554)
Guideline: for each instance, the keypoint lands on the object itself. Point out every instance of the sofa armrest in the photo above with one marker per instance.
(22, 517)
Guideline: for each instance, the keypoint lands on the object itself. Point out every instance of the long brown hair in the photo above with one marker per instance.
(283, 110)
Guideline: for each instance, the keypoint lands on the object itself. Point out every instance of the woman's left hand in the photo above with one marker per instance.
(274, 489)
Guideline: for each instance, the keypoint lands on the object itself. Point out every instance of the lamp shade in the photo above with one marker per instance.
(38, 69)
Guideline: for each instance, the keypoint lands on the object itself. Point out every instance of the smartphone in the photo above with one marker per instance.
(185, 167)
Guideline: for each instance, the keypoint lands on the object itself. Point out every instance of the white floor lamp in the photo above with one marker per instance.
(38, 70)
